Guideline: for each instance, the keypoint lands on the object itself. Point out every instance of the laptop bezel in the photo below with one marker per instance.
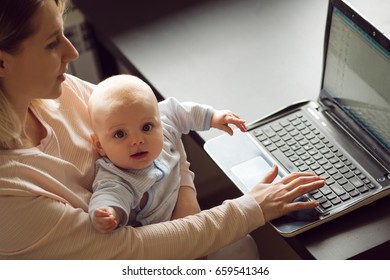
(376, 148)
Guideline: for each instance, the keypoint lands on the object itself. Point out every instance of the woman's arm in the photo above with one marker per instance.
(186, 203)
(35, 227)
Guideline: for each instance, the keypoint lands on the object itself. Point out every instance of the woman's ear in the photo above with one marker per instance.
(2, 64)
(96, 143)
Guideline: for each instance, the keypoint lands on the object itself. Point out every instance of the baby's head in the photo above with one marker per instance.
(126, 122)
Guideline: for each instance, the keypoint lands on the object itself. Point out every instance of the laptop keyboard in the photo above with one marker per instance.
(300, 146)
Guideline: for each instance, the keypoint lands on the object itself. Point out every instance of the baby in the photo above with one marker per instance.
(138, 176)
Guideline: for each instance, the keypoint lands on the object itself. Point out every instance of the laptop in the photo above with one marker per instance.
(344, 136)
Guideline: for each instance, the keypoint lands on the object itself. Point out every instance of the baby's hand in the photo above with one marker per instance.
(222, 118)
(105, 219)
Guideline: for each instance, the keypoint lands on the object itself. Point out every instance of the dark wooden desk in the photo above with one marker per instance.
(238, 54)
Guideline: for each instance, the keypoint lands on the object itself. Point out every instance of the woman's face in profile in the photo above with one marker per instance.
(37, 69)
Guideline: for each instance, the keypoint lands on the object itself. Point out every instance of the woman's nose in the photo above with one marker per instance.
(70, 52)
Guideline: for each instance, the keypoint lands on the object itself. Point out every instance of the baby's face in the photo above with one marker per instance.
(131, 134)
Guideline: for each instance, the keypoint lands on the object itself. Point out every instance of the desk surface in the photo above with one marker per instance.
(250, 56)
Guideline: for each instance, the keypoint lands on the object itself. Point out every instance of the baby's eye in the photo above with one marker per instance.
(119, 134)
(147, 127)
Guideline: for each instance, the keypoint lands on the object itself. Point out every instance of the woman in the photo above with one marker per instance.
(47, 162)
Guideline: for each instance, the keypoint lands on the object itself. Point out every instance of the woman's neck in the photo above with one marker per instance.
(33, 131)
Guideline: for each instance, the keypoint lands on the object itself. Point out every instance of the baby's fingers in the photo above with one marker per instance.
(235, 120)
(101, 212)
(106, 224)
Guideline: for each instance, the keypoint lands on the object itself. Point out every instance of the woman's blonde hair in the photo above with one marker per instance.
(16, 26)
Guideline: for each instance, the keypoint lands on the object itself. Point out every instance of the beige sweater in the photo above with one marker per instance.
(44, 195)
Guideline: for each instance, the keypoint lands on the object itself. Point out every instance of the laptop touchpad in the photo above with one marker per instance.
(252, 171)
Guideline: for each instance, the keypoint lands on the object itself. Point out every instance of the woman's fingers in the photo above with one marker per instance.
(296, 206)
(303, 182)
(305, 185)
(271, 175)
(295, 175)
(277, 198)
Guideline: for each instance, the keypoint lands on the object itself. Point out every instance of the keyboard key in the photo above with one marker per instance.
(327, 166)
(342, 181)
(344, 170)
(337, 189)
(356, 182)
(348, 187)
(325, 190)
(344, 197)
(272, 148)
(276, 127)
(338, 177)
(317, 195)
(284, 123)
(326, 205)
(303, 168)
(269, 132)
(336, 201)
(354, 193)
(294, 157)
(266, 142)
(363, 189)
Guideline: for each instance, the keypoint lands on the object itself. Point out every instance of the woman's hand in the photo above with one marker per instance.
(276, 198)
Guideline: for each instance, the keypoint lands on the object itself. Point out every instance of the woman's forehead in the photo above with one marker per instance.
(47, 20)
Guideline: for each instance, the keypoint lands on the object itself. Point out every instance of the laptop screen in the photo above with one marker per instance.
(357, 71)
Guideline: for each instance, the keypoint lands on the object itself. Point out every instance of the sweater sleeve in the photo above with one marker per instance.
(182, 117)
(49, 229)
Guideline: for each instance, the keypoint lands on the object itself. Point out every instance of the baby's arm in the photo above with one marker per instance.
(222, 118)
(106, 219)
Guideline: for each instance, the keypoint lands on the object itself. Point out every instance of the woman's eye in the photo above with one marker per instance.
(53, 44)
(120, 134)
(147, 127)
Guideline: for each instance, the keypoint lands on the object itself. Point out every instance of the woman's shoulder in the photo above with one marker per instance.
(78, 86)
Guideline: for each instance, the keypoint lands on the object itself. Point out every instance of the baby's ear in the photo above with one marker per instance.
(96, 143)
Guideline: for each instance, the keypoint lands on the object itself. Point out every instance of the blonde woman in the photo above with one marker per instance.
(47, 162)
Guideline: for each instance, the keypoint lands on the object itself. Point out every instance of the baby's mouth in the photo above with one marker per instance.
(139, 155)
